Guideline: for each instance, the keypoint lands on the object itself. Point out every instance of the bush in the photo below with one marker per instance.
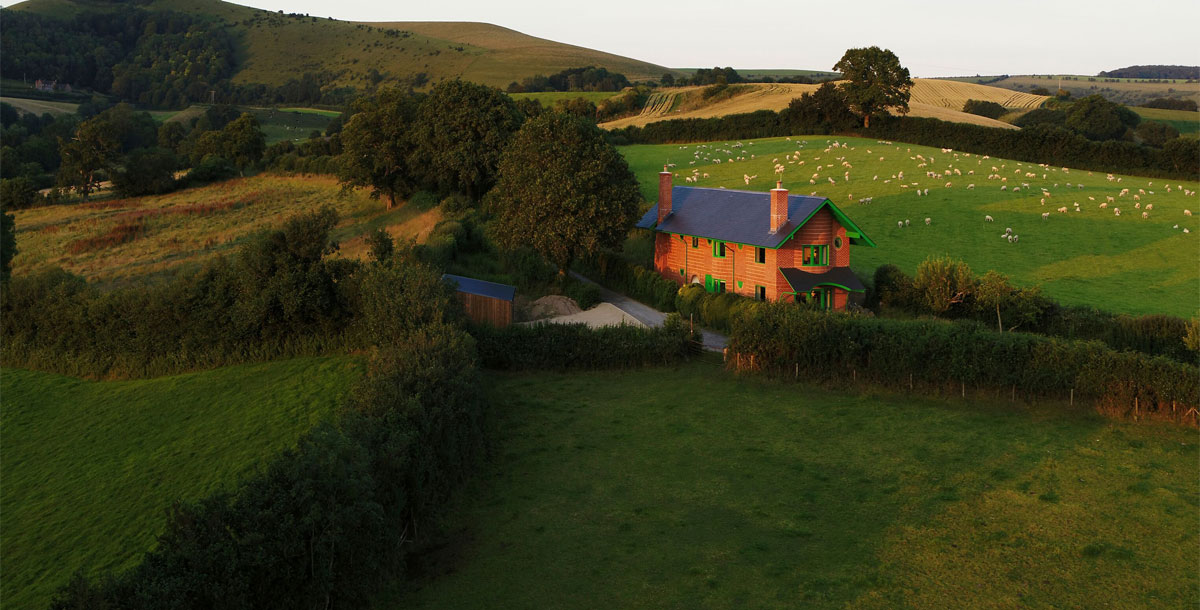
(575, 346)
(1167, 103)
(780, 339)
(146, 171)
(992, 110)
(19, 193)
(944, 286)
(585, 294)
(211, 169)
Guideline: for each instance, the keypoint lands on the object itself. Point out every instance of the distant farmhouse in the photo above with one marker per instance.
(775, 247)
(51, 85)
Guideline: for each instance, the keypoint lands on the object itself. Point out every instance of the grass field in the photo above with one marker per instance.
(547, 98)
(1185, 121)
(40, 107)
(690, 488)
(1125, 91)
(932, 98)
(1092, 257)
(181, 230)
(279, 124)
(90, 468)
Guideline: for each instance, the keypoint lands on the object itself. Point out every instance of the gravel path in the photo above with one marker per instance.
(713, 342)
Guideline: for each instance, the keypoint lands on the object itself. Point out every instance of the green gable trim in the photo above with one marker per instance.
(840, 286)
(853, 232)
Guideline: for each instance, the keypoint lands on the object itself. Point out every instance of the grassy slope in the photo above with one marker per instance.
(1126, 91)
(178, 236)
(613, 490)
(90, 469)
(1123, 264)
(280, 47)
(40, 107)
(547, 98)
(1185, 121)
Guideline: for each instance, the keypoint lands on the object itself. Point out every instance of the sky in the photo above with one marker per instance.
(936, 38)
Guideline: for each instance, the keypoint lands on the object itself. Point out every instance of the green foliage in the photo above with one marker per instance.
(380, 246)
(1167, 103)
(939, 355)
(378, 146)
(580, 107)
(634, 281)
(94, 147)
(875, 81)
(563, 190)
(944, 283)
(460, 132)
(1096, 118)
(590, 78)
(1041, 116)
(992, 110)
(585, 294)
(822, 111)
(8, 244)
(1156, 134)
(146, 171)
(18, 193)
(564, 347)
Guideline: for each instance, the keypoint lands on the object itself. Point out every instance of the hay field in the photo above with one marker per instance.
(1092, 257)
(1131, 92)
(40, 107)
(118, 241)
(930, 98)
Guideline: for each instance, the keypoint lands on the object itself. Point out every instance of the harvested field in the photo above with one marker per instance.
(40, 107)
(930, 98)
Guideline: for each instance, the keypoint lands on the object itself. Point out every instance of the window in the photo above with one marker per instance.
(718, 249)
(718, 286)
(837, 243)
(695, 242)
(822, 298)
(760, 293)
(760, 255)
(814, 255)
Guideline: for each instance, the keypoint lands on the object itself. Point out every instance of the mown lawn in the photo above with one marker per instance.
(1125, 264)
(690, 488)
(90, 469)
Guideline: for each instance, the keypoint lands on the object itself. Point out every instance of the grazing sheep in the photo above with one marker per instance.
(906, 222)
(1187, 212)
(1008, 231)
(926, 191)
(1138, 205)
(987, 219)
(1186, 231)
(1149, 206)
(1104, 205)
(1043, 201)
(970, 186)
(1010, 238)
(900, 223)
(1117, 211)
(1045, 215)
(1004, 188)
(1145, 215)
(1016, 238)
(928, 221)
(1063, 209)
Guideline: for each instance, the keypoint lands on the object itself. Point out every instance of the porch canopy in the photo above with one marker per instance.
(803, 282)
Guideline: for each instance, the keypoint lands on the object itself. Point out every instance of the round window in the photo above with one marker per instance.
(837, 243)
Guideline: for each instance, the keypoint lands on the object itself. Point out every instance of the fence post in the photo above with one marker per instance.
(797, 370)
(725, 354)
(1072, 397)
(964, 389)
(1014, 394)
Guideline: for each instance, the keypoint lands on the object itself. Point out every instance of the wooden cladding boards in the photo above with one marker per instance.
(496, 312)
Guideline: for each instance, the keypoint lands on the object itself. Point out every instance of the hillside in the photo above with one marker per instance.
(937, 99)
(278, 47)
(1131, 92)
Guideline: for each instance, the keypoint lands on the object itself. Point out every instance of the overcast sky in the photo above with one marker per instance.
(938, 38)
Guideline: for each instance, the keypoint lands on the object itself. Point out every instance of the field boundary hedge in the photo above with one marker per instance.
(783, 341)
(563, 347)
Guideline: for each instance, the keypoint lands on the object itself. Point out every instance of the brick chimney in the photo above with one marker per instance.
(779, 206)
(664, 194)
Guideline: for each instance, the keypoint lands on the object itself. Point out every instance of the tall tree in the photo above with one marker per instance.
(377, 143)
(875, 81)
(563, 190)
(462, 129)
(244, 142)
(95, 146)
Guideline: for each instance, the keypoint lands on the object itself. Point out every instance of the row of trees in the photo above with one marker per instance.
(590, 78)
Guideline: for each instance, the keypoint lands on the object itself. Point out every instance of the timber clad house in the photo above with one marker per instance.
(772, 248)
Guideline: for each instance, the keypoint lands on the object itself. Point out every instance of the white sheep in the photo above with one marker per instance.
(1045, 215)
(970, 186)
(1117, 211)
(987, 219)
(1008, 230)
(1149, 206)
(1187, 212)
(1104, 205)
(1063, 209)
(900, 223)
(906, 222)
(1186, 231)
(1145, 215)
(928, 221)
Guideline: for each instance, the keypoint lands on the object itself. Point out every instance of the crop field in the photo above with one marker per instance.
(1126, 91)
(607, 490)
(40, 107)
(1185, 121)
(116, 241)
(1123, 263)
(548, 98)
(930, 98)
(90, 468)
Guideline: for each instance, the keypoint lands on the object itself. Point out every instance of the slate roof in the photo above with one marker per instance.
(469, 285)
(805, 281)
(742, 217)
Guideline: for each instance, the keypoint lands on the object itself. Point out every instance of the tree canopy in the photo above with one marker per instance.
(1096, 118)
(377, 143)
(563, 190)
(461, 130)
(875, 81)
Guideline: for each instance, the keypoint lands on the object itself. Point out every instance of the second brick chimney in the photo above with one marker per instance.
(664, 194)
(779, 207)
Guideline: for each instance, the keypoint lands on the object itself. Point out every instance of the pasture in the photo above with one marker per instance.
(121, 240)
(1186, 122)
(1125, 263)
(91, 468)
(609, 490)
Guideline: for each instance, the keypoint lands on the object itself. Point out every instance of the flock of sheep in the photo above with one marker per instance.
(954, 165)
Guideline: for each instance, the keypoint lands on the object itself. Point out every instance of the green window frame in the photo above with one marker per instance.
(718, 286)
(814, 255)
(760, 293)
(695, 242)
(718, 249)
(760, 255)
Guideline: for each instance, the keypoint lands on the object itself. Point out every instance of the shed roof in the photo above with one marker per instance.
(804, 281)
(741, 217)
(469, 285)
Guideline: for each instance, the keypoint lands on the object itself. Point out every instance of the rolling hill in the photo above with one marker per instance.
(930, 98)
(276, 47)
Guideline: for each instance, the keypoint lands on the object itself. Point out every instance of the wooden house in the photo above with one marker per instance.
(486, 302)
(772, 246)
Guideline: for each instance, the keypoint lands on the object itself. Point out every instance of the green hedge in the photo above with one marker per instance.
(575, 346)
(785, 340)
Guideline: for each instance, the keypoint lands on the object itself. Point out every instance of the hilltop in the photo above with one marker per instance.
(276, 47)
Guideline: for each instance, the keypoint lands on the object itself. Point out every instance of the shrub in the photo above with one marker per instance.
(944, 285)
(585, 294)
(211, 169)
(575, 346)
(992, 110)
(146, 171)
(18, 193)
